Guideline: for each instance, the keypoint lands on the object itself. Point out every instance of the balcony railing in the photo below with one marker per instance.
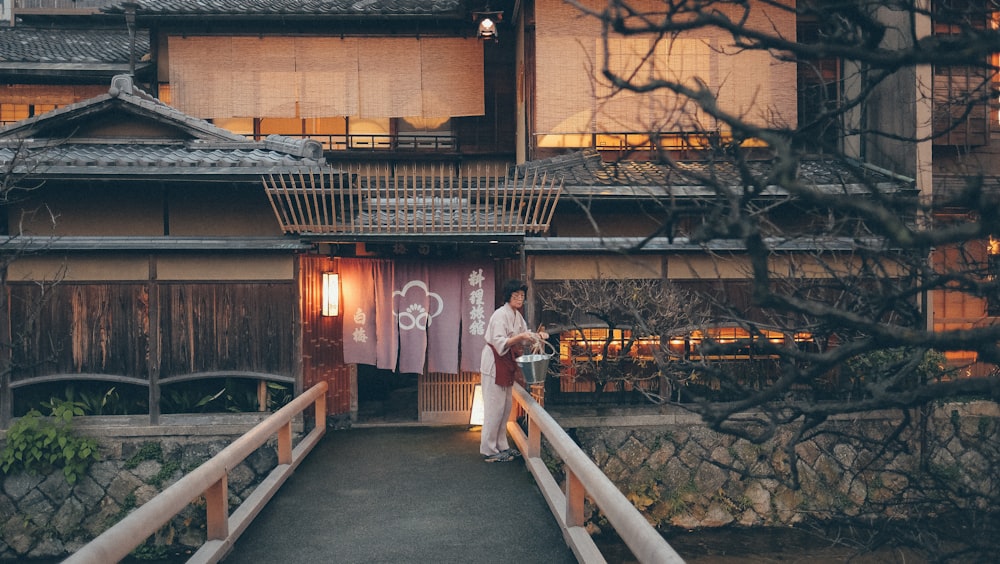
(632, 142)
(383, 142)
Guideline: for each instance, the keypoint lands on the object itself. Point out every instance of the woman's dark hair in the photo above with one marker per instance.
(512, 286)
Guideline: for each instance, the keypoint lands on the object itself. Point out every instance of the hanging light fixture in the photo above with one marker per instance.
(486, 22)
(330, 294)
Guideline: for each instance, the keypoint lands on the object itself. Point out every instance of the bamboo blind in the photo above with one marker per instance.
(390, 78)
(374, 200)
(573, 97)
(290, 77)
(45, 94)
(329, 76)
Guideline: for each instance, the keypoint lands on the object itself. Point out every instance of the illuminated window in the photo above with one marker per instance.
(592, 344)
(239, 126)
(424, 133)
(962, 93)
(369, 133)
(741, 345)
(993, 275)
(10, 113)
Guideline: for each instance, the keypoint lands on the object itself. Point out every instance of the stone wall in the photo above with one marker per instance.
(45, 517)
(672, 467)
(680, 473)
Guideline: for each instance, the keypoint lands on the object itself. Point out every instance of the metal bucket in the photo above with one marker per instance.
(534, 367)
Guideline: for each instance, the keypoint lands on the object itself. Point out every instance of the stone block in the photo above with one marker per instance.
(19, 533)
(55, 487)
(68, 517)
(101, 517)
(146, 469)
(123, 486)
(104, 471)
(20, 484)
(36, 507)
(88, 491)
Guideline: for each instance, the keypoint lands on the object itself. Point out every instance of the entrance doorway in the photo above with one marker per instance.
(386, 396)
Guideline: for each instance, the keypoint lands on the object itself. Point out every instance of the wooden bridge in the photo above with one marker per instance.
(403, 494)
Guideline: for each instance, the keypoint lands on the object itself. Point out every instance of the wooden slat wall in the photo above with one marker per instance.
(103, 329)
(322, 340)
(226, 326)
(79, 328)
(446, 398)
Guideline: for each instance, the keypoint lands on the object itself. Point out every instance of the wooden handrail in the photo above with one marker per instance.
(583, 478)
(211, 480)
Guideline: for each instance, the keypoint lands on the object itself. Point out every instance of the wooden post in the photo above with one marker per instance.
(574, 500)
(153, 360)
(285, 444)
(262, 395)
(534, 439)
(217, 509)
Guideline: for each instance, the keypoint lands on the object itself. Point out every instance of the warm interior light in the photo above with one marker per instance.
(476, 413)
(487, 29)
(487, 23)
(331, 294)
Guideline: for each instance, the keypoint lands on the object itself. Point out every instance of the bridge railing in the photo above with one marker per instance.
(583, 479)
(211, 480)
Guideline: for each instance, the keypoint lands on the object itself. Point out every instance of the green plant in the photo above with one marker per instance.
(149, 550)
(36, 445)
(148, 451)
(186, 400)
(97, 403)
(278, 395)
(153, 451)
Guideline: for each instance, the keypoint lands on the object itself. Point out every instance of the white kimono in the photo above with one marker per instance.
(497, 401)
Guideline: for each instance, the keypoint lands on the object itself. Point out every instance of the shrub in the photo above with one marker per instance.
(37, 445)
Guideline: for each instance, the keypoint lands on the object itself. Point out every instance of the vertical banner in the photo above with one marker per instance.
(415, 306)
(359, 311)
(387, 344)
(477, 306)
(443, 333)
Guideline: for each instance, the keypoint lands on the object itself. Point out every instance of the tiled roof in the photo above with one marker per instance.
(123, 89)
(199, 149)
(124, 159)
(19, 44)
(294, 7)
(585, 171)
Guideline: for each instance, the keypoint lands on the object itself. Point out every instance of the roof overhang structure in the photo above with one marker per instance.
(370, 203)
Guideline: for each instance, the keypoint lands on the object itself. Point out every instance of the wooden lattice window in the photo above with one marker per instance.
(962, 94)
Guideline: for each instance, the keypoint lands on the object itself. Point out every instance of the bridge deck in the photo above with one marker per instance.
(404, 494)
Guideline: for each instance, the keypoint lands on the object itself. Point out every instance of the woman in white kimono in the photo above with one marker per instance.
(506, 334)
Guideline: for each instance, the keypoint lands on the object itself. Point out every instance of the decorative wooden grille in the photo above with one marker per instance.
(377, 200)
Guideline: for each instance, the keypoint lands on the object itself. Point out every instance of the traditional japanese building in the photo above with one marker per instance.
(425, 158)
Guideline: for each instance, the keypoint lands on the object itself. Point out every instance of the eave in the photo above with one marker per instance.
(683, 245)
(72, 72)
(42, 244)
